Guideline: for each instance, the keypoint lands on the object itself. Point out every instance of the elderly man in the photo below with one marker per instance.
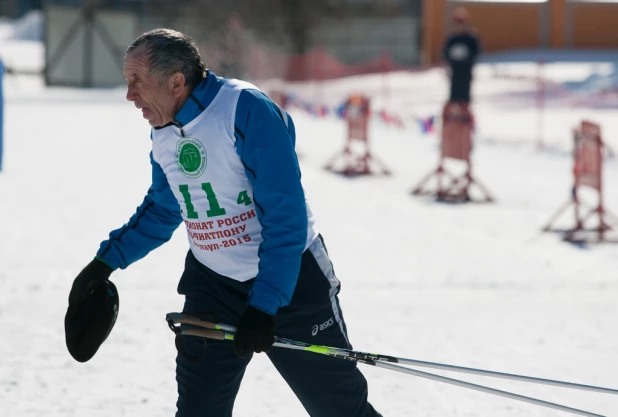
(224, 164)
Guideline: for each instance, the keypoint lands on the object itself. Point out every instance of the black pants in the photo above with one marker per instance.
(327, 387)
(460, 89)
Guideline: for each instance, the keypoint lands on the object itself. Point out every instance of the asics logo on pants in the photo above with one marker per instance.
(315, 329)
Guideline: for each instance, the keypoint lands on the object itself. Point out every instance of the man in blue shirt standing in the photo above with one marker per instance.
(224, 164)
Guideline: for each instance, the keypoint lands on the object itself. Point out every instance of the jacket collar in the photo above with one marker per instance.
(199, 99)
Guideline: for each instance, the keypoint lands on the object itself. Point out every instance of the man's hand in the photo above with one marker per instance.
(255, 332)
(95, 272)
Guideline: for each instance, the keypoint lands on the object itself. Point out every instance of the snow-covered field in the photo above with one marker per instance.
(470, 285)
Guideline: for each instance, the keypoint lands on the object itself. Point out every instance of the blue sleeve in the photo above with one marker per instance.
(153, 224)
(265, 140)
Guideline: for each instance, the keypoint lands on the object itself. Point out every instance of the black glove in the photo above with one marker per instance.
(92, 311)
(95, 272)
(255, 332)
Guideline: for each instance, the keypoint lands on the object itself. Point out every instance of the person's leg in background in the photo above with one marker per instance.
(460, 89)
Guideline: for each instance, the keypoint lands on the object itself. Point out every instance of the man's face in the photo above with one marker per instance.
(460, 25)
(155, 97)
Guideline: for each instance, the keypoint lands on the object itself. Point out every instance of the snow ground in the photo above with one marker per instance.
(472, 285)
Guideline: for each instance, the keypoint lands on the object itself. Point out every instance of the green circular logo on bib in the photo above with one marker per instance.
(190, 157)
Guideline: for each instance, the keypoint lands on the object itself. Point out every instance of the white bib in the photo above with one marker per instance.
(209, 181)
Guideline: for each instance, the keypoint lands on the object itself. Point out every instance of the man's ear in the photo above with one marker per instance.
(177, 83)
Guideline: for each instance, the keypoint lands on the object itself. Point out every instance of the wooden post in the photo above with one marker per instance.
(557, 23)
(433, 30)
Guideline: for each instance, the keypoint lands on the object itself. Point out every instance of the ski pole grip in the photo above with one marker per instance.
(207, 333)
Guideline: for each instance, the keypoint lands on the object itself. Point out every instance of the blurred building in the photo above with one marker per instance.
(293, 39)
(321, 39)
(507, 25)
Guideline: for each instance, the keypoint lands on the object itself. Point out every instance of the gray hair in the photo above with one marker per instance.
(169, 52)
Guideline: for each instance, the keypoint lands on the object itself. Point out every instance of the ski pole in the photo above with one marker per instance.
(485, 389)
(413, 362)
(352, 354)
(221, 335)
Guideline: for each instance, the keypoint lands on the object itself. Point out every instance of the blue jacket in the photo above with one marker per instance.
(258, 122)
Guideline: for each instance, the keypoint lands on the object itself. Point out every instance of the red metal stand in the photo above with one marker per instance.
(587, 172)
(356, 157)
(457, 126)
